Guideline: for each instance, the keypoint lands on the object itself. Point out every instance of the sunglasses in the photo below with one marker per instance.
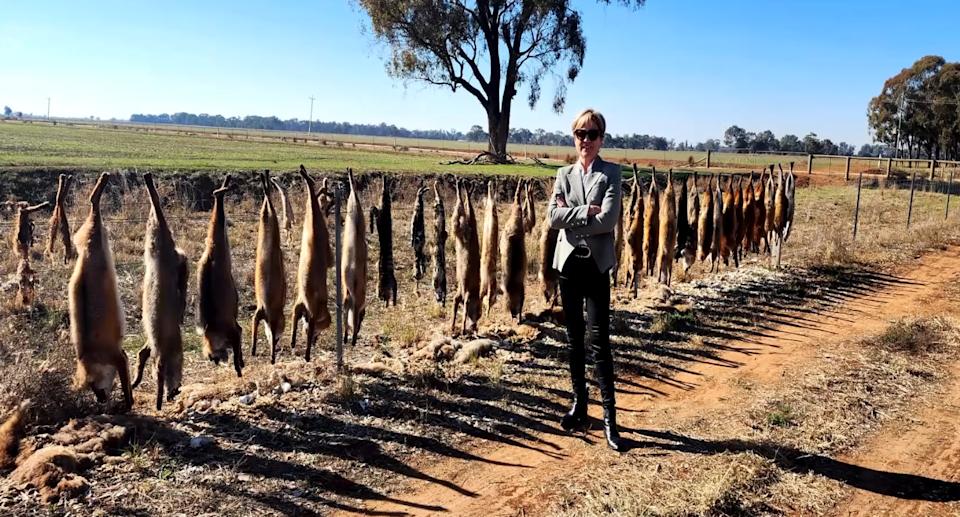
(586, 134)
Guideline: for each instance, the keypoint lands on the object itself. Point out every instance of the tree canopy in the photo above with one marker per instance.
(489, 48)
(922, 102)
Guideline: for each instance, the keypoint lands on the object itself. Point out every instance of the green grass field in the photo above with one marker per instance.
(42, 145)
(244, 148)
(640, 156)
(95, 145)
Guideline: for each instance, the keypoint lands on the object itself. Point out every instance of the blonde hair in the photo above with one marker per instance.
(591, 115)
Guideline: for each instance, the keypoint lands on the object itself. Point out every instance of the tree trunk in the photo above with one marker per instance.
(498, 127)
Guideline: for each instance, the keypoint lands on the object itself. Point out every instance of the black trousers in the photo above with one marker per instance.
(582, 283)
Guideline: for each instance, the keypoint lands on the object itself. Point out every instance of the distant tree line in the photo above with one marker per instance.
(922, 104)
(274, 123)
(8, 113)
(735, 138)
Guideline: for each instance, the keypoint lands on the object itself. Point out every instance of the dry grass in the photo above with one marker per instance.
(824, 221)
(666, 322)
(916, 336)
(410, 417)
(723, 484)
(766, 456)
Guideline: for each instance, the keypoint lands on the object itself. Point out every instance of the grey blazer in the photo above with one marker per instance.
(602, 188)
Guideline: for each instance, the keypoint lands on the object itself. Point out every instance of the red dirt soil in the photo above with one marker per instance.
(915, 454)
(515, 479)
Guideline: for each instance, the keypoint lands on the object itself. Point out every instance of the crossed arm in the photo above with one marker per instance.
(585, 219)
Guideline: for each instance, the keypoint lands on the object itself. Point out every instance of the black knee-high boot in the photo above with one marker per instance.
(605, 378)
(577, 416)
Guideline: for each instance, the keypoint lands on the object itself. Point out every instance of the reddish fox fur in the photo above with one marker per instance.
(59, 225)
(270, 279)
(667, 246)
(165, 277)
(316, 258)
(464, 222)
(354, 261)
(217, 301)
(96, 314)
(489, 250)
(651, 225)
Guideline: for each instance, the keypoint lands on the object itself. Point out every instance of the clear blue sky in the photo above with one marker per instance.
(684, 69)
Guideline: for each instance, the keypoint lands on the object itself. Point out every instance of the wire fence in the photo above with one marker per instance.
(123, 200)
(127, 210)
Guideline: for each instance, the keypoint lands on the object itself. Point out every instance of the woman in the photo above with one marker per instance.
(585, 206)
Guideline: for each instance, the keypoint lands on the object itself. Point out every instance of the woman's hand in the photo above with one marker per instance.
(591, 210)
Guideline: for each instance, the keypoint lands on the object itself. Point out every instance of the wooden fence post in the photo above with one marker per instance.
(338, 193)
(846, 175)
(709, 153)
(856, 211)
(913, 180)
(810, 164)
(933, 167)
(889, 166)
(946, 212)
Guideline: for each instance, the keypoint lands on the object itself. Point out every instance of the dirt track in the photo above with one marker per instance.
(911, 467)
(513, 479)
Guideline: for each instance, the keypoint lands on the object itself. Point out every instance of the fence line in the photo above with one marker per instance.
(143, 220)
(946, 213)
(856, 211)
(711, 158)
(63, 268)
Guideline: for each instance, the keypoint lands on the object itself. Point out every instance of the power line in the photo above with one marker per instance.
(921, 101)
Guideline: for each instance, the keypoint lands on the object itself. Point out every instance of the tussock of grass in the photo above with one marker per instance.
(402, 330)
(494, 370)
(724, 484)
(436, 311)
(49, 386)
(426, 375)
(781, 415)
(915, 336)
(666, 322)
(346, 387)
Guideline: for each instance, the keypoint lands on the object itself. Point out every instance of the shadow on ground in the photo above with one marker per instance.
(341, 452)
(893, 484)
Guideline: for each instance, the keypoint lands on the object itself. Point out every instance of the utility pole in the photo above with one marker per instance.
(310, 122)
(899, 120)
(48, 108)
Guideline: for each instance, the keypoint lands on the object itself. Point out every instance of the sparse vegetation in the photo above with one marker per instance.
(824, 231)
(919, 336)
(664, 323)
(361, 434)
(724, 463)
(781, 415)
